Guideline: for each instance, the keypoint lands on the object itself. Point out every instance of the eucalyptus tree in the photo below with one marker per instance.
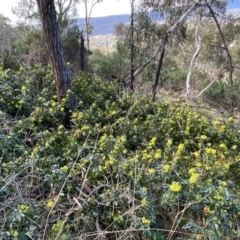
(175, 14)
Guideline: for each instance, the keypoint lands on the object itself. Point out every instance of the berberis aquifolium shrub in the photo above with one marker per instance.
(127, 168)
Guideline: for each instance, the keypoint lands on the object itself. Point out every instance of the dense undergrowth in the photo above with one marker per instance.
(125, 168)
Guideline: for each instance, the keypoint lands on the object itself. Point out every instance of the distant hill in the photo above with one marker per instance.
(105, 25)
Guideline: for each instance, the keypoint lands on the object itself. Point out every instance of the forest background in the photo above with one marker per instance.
(139, 140)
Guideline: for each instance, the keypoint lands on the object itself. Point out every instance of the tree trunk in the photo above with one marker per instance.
(87, 23)
(82, 53)
(194, 57)
(48, 17)
(132, 44)
(227, 52)
(159, 69)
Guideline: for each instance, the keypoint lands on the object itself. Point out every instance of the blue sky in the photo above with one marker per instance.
(106, 8)
(234, 4)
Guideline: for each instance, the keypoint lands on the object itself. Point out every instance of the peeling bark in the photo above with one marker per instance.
(194, 57)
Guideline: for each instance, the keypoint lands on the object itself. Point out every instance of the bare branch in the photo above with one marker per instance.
(181, 20)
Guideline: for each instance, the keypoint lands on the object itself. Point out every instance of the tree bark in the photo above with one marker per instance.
(132, 44)
(227, 52)
(159, 69)
(48, 17)
(194, 57)
(82, 53)
(87, 23)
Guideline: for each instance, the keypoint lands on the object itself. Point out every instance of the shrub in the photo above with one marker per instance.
(127, 168)
(222, 94)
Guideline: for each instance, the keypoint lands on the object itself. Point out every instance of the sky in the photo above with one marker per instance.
(105, 8)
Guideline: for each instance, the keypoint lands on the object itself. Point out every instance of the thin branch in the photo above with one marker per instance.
(226, 49)
(181, 20)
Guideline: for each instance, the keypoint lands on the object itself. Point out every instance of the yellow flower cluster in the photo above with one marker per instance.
(50, 203)
(23, 208)
(145, 221)
(193, 178)
(144, 202)
(166, 168)
(180, 148)
(151, 171)
(210, 151)
(175, 186)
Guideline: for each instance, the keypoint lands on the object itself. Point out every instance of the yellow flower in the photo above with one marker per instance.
(157, 154)
(210, 151)
(151, 171)
(180, 147)
(53, 104)
(222, 145)
(175, 186)
(226, 166)
(224, 183)
(234, 147)
(152, 142)
(175, 159)
(203, 137)
(24, 88)
(145, 221)
(207, 167)
(166, 168)
(230, 119)
(144, 189)
(64, 168)
(222, 128)
(23, 208)
(113, 112)
(196, 154)
(193, 178)
(50, 204)
(213, 151)
(144, 202)
(198, 197)
(14, 233)
(169, 142)
(192, 171)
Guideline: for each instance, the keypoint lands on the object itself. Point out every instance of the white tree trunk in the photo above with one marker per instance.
(194, 57)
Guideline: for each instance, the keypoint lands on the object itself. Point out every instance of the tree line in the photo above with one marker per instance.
(144, 48)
